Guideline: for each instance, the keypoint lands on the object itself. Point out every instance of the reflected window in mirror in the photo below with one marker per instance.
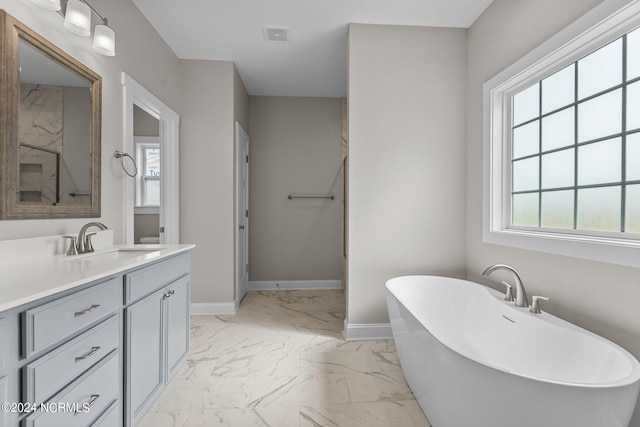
(148, 180)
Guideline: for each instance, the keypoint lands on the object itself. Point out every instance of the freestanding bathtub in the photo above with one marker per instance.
(472, 359)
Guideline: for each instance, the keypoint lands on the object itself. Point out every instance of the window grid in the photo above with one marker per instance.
(622, 184)
(146, 178)
(143, 150)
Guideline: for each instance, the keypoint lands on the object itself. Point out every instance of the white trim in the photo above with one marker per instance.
(605, 22)
(367, 331)
(134, 93)
(209, 308)
(241, 193)
(146, 210)
(294, 285)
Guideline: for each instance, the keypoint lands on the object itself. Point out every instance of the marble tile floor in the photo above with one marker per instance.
(282, 361)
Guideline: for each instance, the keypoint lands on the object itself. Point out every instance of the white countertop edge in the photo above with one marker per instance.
(22, 289)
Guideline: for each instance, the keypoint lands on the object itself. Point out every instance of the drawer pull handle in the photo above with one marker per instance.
(93, 351)
(85, 407)
(88, 310)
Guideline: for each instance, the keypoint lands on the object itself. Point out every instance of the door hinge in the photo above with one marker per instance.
(162, 229)
(246, 213)
(247, 268)
(247, 158)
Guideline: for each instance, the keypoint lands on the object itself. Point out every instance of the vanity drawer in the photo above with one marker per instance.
(146, 280)
(51, 322)
(59, 367)
(4, 397)
(84, 400)
(109, 418)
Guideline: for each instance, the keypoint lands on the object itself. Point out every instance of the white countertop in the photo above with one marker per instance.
(28, 279)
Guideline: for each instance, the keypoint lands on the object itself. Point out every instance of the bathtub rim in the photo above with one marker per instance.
(632, 378)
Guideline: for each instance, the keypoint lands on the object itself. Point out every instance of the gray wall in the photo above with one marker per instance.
(406, 160)
(295, 149)
(213, 99)
(597, 296)
(145, 225)
(76, 158)
(144, 124)
(143, 55)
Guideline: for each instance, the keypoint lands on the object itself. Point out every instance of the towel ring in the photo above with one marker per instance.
(121, 155)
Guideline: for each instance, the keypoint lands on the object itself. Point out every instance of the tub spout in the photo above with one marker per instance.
(521, 294)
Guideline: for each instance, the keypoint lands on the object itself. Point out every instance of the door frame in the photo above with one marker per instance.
(242, 204)
(136, 94)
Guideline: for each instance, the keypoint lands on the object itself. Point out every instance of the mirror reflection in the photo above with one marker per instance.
(54, 132)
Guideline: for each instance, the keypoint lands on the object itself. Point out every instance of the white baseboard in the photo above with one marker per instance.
(205, 308)
(367, 331)
(294, 285)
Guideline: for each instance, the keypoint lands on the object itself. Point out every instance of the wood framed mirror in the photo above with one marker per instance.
(50, 129)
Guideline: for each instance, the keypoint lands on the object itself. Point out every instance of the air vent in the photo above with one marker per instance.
(273, 34)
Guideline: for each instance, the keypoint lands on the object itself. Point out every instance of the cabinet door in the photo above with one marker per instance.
(145, 355)
(177, 306)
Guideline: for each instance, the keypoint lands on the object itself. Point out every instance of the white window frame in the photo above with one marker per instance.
(606, 22)
(142, 142)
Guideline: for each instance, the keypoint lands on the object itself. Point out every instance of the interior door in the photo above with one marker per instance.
(242, 212)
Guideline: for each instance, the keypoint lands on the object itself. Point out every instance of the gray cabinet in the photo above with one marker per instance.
(71, 348)
(49, 323)
(90, 395)
(144, 362)
(110, 418)
(59, 367)
(4, 397)
(157, 332)
(177, 324)
(105, 348)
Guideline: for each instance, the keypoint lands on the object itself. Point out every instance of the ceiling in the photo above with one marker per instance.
(314, 62)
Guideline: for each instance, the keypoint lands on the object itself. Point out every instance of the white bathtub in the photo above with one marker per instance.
(472, 359)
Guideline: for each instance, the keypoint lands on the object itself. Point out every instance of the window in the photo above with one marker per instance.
(573, 137)
(562, 145)
(148, 179)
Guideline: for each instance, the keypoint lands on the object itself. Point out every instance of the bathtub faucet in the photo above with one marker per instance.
(521, 294)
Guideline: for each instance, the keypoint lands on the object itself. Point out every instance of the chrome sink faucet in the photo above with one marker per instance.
(521, 295)
(84, 240)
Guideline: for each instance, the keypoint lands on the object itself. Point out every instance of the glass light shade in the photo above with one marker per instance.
(104, 40)
(48, 4)
(77, 18)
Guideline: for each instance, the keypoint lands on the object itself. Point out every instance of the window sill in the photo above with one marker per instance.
(614, 251)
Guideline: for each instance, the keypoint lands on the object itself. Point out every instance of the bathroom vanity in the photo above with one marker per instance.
(90, 340)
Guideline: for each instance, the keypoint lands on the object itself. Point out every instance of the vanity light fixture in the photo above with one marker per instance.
(104, 40)
(77, 19)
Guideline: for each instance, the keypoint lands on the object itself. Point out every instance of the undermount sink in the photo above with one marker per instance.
(117, 254)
